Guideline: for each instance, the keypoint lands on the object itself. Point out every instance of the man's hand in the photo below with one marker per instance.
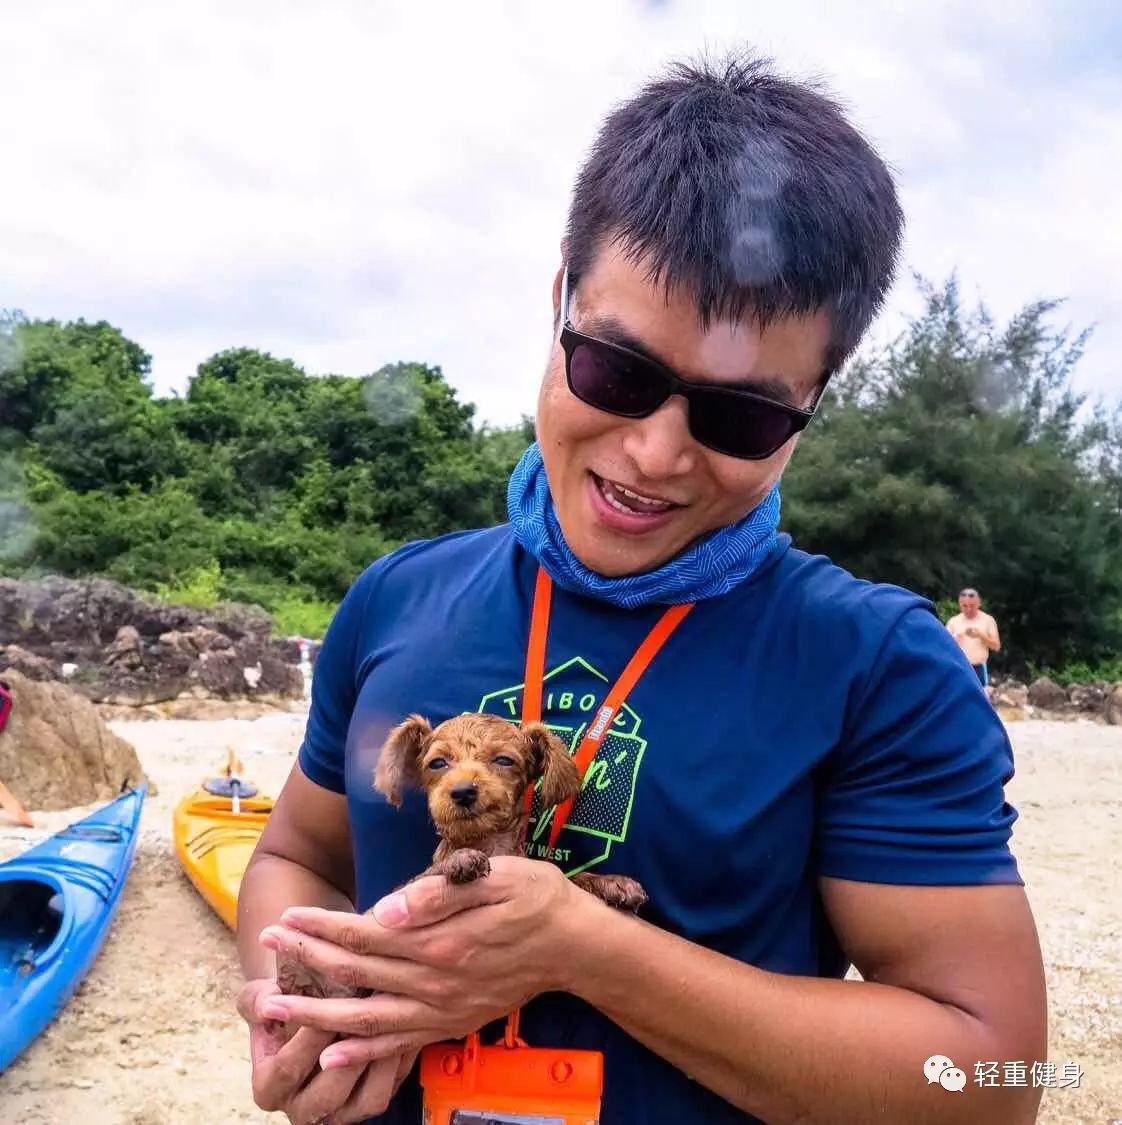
(443, 960)
(286, 1076)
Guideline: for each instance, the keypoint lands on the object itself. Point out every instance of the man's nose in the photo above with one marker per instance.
(464, 795)
(661, 445)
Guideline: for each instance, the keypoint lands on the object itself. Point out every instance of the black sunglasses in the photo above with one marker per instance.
(620, 381)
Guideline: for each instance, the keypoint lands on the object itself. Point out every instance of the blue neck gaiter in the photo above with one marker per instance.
(708, 569)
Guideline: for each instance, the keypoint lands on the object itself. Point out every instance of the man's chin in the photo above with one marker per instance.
(621, 562)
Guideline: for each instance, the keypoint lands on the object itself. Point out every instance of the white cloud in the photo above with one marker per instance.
(351, 183)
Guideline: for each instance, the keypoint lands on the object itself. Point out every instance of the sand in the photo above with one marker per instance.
(151, 1038)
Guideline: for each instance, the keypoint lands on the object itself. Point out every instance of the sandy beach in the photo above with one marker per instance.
(152, 1037)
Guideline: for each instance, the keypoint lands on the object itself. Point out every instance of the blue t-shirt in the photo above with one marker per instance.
(806, 724)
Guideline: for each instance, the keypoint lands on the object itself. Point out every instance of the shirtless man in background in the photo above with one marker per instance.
(976, 633)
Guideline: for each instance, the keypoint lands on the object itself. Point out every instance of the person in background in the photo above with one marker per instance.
(976, 633)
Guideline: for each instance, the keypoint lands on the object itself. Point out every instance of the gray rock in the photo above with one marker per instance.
(125, 651)
(1113, 708)
(1087, 697)
(34, 667)
(1011, 694)
(132, 651)
(1047, 694)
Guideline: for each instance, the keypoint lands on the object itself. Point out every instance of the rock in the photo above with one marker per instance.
(196, 641)
(1047, 694)
(130, 651)
(221, 674)
(1113, 708)
(56, 751)
(85, 612)
(133, 695)
(32, 666)
(240, 622)
(1087, 697)
(224, 674)
(287, 650)
(125, 650)
(281, 679)
(115, 712)
(1011, 694)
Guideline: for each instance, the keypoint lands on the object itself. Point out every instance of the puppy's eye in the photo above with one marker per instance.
(438, 763)
(503, 760)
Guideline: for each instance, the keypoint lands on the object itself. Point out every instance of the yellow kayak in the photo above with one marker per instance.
(213, 843)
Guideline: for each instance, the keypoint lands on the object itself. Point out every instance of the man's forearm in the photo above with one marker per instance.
(785, 1048)
(270, 886)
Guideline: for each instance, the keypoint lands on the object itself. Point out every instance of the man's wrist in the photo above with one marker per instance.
(585, 930)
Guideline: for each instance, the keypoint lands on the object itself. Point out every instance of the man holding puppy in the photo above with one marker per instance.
(803, 774)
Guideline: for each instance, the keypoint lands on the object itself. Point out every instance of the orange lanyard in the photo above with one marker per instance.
(606, 713)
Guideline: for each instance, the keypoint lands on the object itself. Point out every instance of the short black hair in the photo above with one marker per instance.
(968, 592)
(748, 188)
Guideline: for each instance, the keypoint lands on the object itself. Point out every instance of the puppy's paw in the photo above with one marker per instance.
(297, 979)
(465, 866)
(616, 890)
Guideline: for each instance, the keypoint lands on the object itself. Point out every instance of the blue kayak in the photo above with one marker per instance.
(56, 903)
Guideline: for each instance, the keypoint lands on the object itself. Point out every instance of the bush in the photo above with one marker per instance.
(946, 608)
(201, 587)
(296, 617)
(1080, 672)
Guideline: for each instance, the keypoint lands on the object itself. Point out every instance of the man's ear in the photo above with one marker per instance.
(399, 763)
(557, 296)
(549, 759)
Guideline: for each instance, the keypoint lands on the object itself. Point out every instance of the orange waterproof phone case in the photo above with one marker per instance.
(470, 1084)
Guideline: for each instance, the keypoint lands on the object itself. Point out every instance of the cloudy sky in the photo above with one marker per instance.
(352, 182)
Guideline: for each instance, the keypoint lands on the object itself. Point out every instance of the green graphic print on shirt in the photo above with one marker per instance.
(571, 696)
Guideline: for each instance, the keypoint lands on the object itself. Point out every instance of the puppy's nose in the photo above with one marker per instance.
(464, 795)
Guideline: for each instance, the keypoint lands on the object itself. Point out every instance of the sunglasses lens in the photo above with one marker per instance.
(610, 380)
(734, 424)
(739, 427)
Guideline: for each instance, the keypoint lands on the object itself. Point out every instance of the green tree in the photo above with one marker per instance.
(248, 408)
(961, 456)
(41, 361)
(958, 456)
(101, 437)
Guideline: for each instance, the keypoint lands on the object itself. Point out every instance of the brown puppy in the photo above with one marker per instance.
(475, 770)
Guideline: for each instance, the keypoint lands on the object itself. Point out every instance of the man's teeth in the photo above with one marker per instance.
(638, 504)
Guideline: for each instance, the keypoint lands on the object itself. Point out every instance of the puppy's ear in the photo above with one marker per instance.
(400, 759)
(549, 759)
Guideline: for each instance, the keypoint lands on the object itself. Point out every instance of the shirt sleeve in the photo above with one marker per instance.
(915, 793)
(322, 755)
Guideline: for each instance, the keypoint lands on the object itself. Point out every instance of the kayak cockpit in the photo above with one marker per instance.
(32, 914)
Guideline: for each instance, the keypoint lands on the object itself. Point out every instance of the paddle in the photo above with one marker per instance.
(231, 784)
(233, 768)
